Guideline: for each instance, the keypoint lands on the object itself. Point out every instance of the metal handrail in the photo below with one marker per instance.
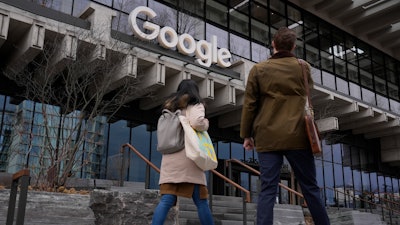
(23, 176)
(258, 173)
(384, 199)
(369, 202)
(247, 199)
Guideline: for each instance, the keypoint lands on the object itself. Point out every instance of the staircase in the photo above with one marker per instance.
(228, 210)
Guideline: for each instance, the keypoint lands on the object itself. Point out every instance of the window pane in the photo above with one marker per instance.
(238, 22)
(216, 12)
(239, 46)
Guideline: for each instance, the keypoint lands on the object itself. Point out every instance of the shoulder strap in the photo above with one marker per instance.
(303, 69)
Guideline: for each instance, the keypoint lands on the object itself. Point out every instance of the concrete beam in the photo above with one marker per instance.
(173, 78)
(365, 123)
(4, 25)
(206, 88)
(382, 133)
(378, 127)
(125, 71)
(29, 47)
(65, 54)
(362, 114)
(225, 98)
(328, 124)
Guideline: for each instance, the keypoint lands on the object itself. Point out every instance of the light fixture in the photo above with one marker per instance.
(294, 25)
(367, 6)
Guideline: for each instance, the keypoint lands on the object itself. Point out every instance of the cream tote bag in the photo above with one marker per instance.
(199, 147)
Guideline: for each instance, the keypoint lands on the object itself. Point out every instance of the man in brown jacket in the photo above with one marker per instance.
(273, 123)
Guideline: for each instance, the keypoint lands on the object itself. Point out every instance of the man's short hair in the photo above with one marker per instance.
(284, 39)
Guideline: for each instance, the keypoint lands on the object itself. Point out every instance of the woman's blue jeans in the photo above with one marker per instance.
(167, 201)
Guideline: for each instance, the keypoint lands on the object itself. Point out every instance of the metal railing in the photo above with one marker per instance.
(258, 173)
(368, 205)
(247, 192)
(20, 178)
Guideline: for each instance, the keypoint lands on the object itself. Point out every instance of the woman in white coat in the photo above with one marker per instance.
(179, 175)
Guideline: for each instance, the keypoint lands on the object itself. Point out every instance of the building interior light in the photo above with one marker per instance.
(294, 25)
(238, 5)
(372, 4)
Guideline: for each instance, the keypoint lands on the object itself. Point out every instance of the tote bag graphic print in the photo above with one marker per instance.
(206, 145)
(198, 146)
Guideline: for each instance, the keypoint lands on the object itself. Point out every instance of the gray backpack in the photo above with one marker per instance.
(170, 136)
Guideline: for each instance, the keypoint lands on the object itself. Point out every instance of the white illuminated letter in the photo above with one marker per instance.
(223, 54)
(147, 25)
(171, 33)
(214, 49)
(206, 57)
(191, 44)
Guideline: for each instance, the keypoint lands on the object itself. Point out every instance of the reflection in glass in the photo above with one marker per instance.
(239, 46)
(239, 22)
(216, 12)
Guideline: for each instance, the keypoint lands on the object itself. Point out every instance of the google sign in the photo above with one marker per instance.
(206, 53)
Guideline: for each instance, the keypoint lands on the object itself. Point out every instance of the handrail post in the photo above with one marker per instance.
(244, 210)
(230, 177)
(121, 170)
(23, 177)
(210, 189)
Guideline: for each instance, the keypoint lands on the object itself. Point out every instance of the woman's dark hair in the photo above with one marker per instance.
(187, 94)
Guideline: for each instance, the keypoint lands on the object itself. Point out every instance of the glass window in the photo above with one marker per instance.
(239, 5)
(277, 20)
(191, 25)
(260, 32)
(216, 12)
(79, 6)
(105, 2)
(394, 106)
(193, 6)
(259, 52)
(239, 22)
(342, 86)
(166, 16)
(328, 80)
(277, 6)
(368, 96)
(355, 90)
(380, 85)
(140, 139)
(239, 46)
(64, 6)
(259, 13)
(237, 151)
(366, 79)
(220, 33)
(293, 14)
(127, 6)
(383, 102)
(223, 150)
(326, 61)
(120, 23)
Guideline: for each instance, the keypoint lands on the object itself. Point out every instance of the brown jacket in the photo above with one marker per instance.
(176, 167)
(273, 110)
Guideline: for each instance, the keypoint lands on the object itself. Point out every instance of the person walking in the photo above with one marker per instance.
(179, 175)
(272, 122)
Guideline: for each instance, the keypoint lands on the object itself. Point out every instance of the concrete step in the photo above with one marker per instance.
(229, 210)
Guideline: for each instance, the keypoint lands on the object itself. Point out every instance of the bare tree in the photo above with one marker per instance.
(73, 99)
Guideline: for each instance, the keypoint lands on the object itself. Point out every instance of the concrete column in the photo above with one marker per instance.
(4, 24)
